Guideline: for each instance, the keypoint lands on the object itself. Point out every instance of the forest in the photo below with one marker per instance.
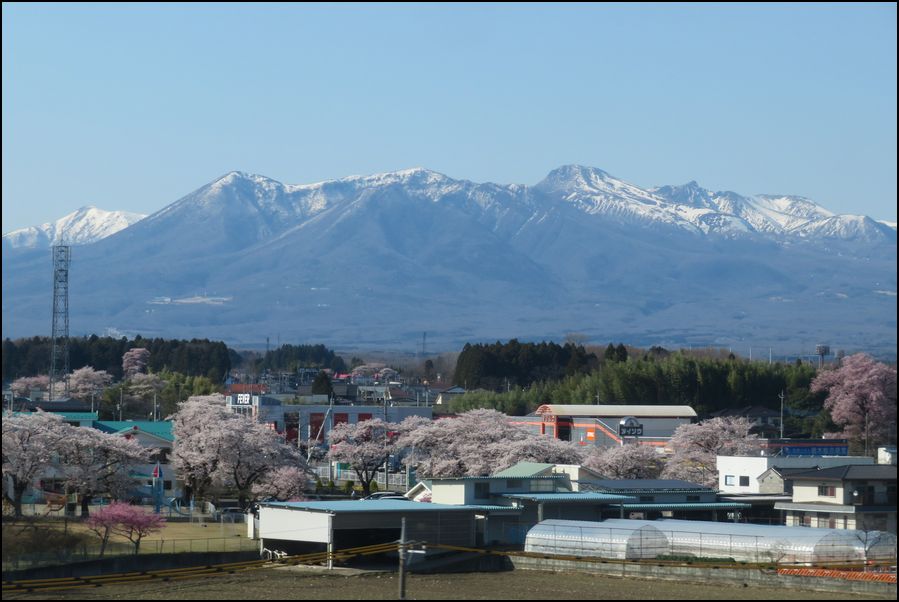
(197, 357)
(519, 377)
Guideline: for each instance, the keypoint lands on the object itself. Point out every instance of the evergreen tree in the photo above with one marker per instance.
(322, 384)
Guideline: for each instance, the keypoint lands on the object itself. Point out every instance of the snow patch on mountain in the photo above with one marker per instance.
(84, 226)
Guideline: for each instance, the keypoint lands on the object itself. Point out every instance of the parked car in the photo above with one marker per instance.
(386, 495)
(234, 515)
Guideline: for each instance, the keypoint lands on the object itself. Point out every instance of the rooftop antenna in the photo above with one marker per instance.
(59, 353)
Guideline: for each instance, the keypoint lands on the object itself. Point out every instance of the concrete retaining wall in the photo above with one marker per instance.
(128, 564)
(741, 577)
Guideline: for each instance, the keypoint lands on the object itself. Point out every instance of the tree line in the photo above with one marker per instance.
(706, 384)
(288, 358)
(514, 364)
(196, 357)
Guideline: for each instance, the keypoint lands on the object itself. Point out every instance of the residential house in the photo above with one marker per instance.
(844, 497)
(740, 474)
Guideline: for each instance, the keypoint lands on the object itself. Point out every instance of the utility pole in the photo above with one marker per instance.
(781, 413)
(402, 555)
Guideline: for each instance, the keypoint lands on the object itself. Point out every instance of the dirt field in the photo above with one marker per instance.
(306, 584)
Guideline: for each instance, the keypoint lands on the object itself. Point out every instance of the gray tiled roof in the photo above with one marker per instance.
(870, 472)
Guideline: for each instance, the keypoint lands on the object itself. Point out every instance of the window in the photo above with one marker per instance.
(341, 418)
(482, 491)
(167, 485)
(744, 481)
(729, 479)
(827, 491)
(513, 483)
(692, 498)
(538, 485)
(647, 498)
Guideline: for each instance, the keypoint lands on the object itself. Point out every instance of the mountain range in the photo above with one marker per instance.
(374, 261)
(81, 227)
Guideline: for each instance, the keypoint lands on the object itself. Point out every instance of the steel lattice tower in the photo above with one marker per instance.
(59, 354)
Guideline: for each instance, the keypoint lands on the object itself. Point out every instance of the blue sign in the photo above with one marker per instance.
(824, 450)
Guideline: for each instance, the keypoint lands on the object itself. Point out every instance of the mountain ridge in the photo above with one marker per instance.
(376, 260)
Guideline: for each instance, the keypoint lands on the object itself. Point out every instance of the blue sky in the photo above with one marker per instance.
(133, 106)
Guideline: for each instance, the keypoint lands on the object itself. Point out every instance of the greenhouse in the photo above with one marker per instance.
(641, 539)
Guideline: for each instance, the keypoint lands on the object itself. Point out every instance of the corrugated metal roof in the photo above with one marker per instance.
(497, 478)
(81, 416)
(619, 411)
(368, 506)
(687, 506)
(644, 485)
(161, 429)
(569, 497)
(524, 469)
(515, 509)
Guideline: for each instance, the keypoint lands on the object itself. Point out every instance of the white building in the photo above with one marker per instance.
(740, 474)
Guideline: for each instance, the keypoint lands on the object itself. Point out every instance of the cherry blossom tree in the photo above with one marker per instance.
(365, 446)
(861, 397)
(197, 451)
(478, 443)
(286, 483)
(135, 361)
(31, 444)
(694, 447)
(130, 522)
(95, 463)
(214, 446)
(252, 450)
(629, 461)
(146, 387)
(86, 382)
(22, 387)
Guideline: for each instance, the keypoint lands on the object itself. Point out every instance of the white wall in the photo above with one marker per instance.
(448, 493)
(296, 525)
(753, 466)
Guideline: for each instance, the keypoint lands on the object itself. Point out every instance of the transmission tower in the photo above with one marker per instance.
(59, 354)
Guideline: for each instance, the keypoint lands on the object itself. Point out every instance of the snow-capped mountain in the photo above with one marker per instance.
(778, 216)
(375, 260)
(81, 227)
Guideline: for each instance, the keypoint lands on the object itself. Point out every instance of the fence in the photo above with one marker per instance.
(91, 551)
(395, 480)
